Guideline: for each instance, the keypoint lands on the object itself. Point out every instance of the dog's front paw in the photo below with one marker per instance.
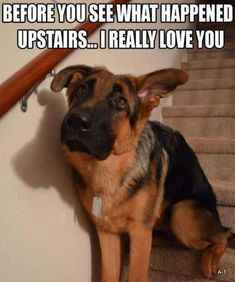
(209, 266)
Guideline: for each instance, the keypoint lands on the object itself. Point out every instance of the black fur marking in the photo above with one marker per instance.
(135, 115)
(159, 170)
(138, 183)
(139, 175)
(185, 178)
(98, 141)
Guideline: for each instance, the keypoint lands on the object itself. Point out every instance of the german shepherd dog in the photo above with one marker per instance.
(134, 175)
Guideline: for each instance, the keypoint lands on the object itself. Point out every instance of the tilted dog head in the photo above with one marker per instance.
(106, 111)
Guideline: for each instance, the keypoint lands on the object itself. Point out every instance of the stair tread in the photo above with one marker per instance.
(205, 91)
(204, 97)
(207, 64)
(214, 83)
(187, 262)
(225, 192)
(199, 111)
(212, 145)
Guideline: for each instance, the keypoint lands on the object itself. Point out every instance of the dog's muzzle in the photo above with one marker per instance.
(79, 132)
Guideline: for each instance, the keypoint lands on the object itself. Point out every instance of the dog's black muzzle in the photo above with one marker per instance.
(82, 131)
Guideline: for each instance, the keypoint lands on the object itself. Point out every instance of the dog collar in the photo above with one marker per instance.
(96, 206)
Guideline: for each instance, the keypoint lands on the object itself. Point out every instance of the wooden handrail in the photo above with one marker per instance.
(16, 86)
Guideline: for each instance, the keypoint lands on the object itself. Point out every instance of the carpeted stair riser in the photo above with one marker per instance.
(203, 111)
(218, 166)
(209, 64)
(225, 192)
(204, 97)
(227, 216)
(211, 55)
(208, 127)
(211, 73)
(204, 84)
(201, 121)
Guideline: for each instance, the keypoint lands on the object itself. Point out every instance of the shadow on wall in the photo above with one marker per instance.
(40, 164)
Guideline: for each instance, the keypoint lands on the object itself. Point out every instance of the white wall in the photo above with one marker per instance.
(44, 233)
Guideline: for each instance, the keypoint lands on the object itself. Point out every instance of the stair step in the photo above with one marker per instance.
(199, 84)
(201, 121)
(211, 55)
(209, 64)
(218, 166)
(209, 127)
(225, 192)
(200, 111)
(212, 145)
(227, 216)
(212, 73)
(187, 262)
(214, 156)
(204, 97)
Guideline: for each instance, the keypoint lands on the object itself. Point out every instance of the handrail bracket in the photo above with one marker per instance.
(34, 89)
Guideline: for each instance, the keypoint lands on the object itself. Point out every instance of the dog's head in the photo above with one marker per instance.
(106, 111)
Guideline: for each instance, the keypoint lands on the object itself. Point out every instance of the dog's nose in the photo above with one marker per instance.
(78, 121)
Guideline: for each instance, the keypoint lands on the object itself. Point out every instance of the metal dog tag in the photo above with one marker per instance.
(97, 206)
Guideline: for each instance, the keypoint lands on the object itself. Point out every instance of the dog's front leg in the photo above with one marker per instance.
(141, 241)
(110, 245)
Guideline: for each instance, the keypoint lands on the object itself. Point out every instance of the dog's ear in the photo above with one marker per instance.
(155, 85)
(65, 76)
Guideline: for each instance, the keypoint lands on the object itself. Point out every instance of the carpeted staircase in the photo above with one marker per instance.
(204, 111)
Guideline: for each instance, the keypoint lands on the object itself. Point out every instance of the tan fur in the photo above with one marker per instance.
(194, 230)
(110, 245)
(119, 214)
(211, 257)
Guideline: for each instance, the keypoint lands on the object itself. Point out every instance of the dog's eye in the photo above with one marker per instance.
(122, 103)
(82, 90)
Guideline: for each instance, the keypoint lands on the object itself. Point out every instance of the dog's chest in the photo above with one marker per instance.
(107, 206)
(105, 196)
